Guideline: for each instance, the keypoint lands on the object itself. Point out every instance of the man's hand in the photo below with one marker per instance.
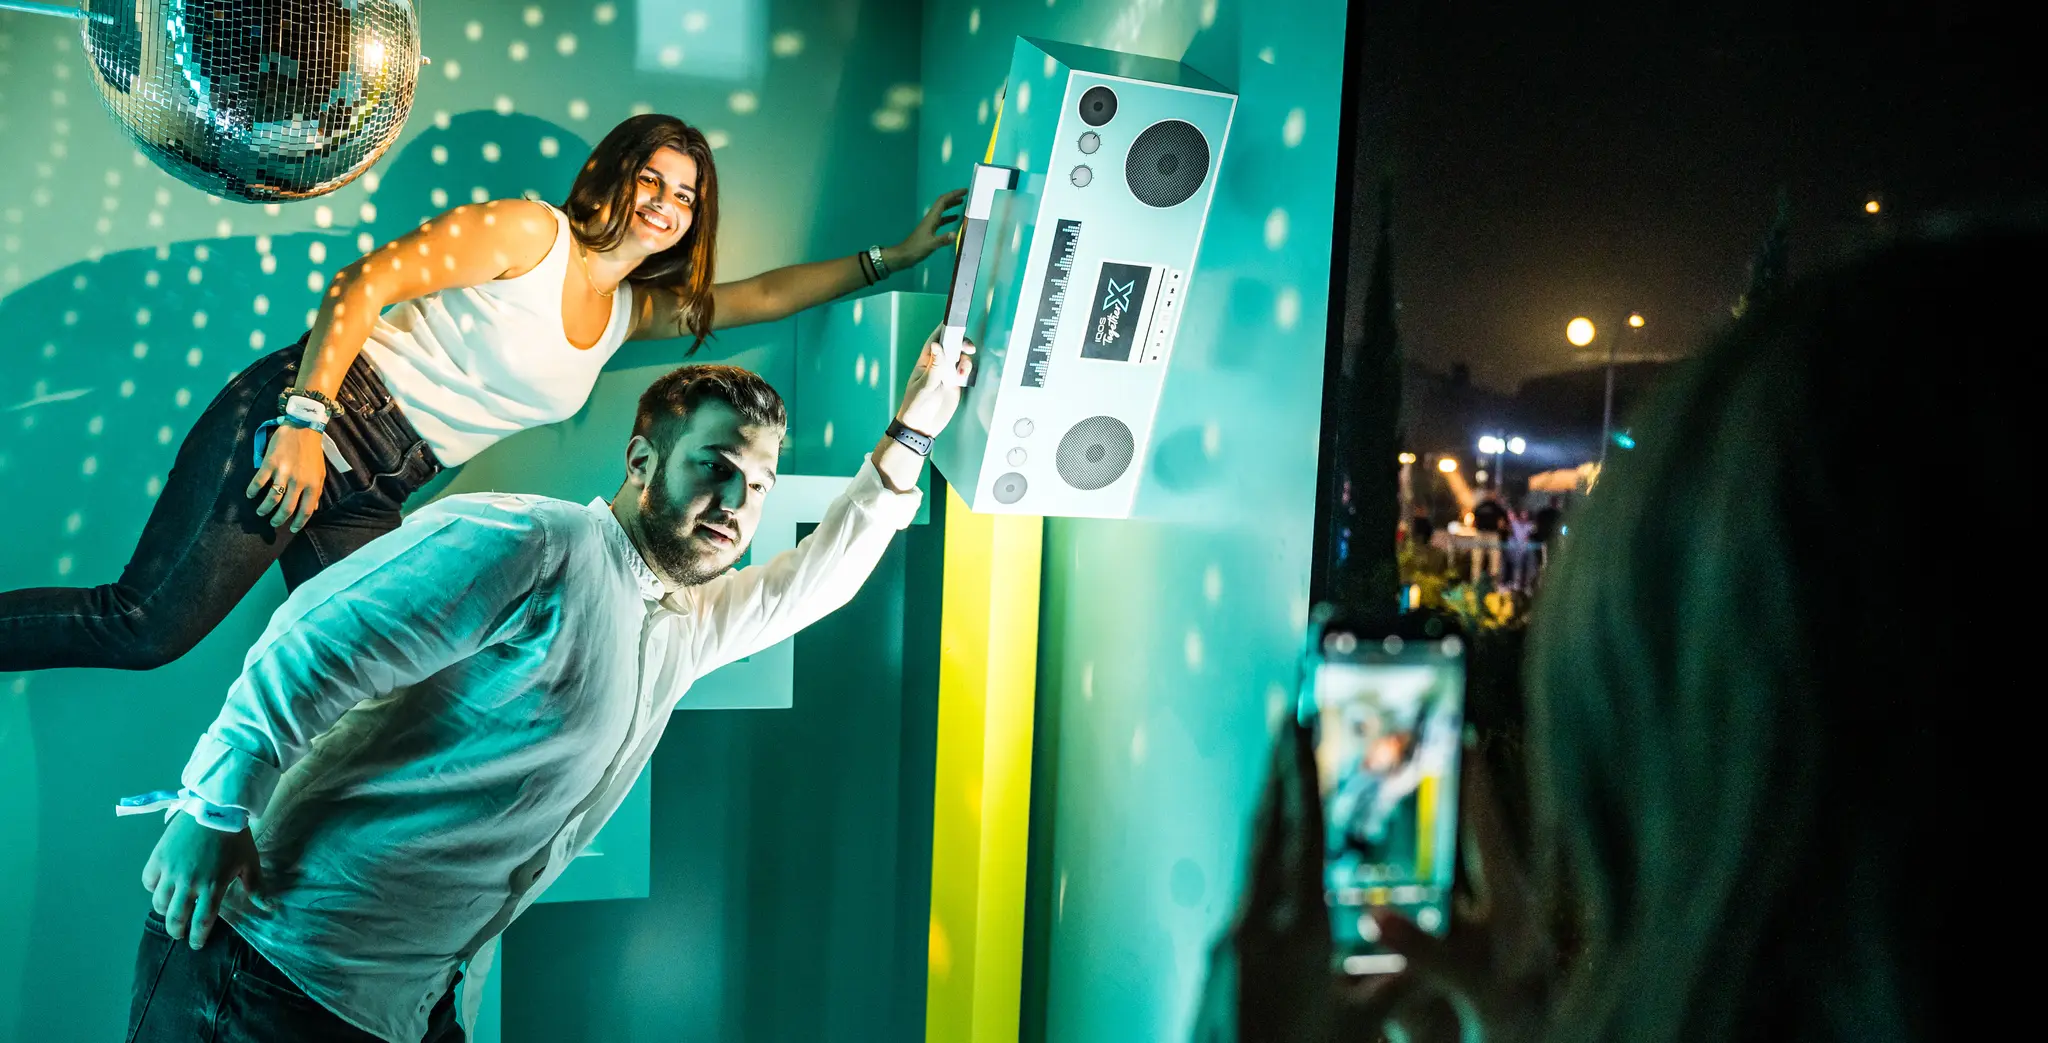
(929, 400)
(930, 234)
(191, 868)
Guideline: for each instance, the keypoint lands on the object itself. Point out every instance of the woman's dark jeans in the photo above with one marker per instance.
(228, 993)
(205, 546)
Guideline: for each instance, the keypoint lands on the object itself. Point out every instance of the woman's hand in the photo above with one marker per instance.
(294, 469)
(930, 233)
(1495, 966)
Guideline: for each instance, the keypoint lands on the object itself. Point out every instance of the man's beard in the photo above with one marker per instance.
(676, 556)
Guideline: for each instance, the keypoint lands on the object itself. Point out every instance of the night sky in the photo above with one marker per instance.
(1628, 157)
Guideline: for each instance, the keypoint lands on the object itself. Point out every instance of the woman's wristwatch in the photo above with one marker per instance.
(916, 442)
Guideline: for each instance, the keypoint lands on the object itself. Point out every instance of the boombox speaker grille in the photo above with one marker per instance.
(1094, 452)
(1167, 164)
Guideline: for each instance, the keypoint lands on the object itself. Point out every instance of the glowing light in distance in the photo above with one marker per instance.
(1490, 444)
(1447, 465)
(1579, 331)
(1635, 319)
(1517, 445)
(1872, 207)
(1407, 458)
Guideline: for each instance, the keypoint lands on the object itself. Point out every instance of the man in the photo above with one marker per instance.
(430, 730)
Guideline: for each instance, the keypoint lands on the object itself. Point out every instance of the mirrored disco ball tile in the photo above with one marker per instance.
(260, 100)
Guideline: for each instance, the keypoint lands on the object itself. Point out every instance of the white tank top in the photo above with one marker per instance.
(472, 365)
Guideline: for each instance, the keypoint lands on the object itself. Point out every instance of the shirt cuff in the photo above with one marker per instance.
(226, 777)
(868, 492)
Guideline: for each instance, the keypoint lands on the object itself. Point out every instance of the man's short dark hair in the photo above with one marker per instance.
(666, 405)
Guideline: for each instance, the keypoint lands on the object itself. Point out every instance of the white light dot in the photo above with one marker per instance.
(549, 147)
(1287, 310)
(491, 152)
(268, 263)
(516, 52)
(565, 44)
(946, 149)
(323, 217)
(163, 435)
(439, 197)
(96, 425)
(317, 252)
(605, 13)
(314, 281)
(890, 120)
(640, 108)
(127, 389)
(183, 398)
(973, 20)
(194, 357)
(141, 316)
(364, 243)
(1266, 55)
(579, 109)
(743, 102)
(1276, 229)
(223, 228)
(368, 212)
(502, 105)
(201, 253)
(717, 139)
(477, 194)
(1191, 649)
(473, 29)
(154, 486)
(312, 316)
(1295, 126)
(198, 322)
(1212, 584)
(451, 69)
(670, 56)
(91, 465)
(1138, 746)
(141, 349)
(860, 369)
(1024, 97)
(981, 113)
(1212, 439)
(441, 119)
(272, 209)
(531, 16)
(262, 244)
(1051, 66)
(262, 304)
(787, 44)
(695, 21)
(64, 565)
(256, 340)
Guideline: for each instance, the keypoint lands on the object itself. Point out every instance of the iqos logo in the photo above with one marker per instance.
(1118, 295)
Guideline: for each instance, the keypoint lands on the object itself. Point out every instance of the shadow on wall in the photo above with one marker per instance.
(106, 366)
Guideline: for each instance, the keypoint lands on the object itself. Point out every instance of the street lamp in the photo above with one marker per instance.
(1447, 465)
(1580, 333)
(1498, 448)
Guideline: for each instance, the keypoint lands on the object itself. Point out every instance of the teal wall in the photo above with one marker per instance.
(790, 847)
(1166, 645)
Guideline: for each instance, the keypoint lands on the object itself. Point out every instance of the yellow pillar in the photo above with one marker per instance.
(981, 808)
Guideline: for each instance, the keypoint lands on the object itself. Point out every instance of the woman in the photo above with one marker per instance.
(1743, 716)
(488, 320)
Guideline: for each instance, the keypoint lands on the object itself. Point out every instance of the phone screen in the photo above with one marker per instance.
(1387, 719)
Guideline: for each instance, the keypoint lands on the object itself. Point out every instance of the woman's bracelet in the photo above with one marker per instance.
(867, 269)
(875, 261)
(285, 397)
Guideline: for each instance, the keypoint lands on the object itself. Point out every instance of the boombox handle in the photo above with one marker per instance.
(981, 199)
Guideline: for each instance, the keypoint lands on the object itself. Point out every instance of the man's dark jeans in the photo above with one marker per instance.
(205, 546)
(228, 993)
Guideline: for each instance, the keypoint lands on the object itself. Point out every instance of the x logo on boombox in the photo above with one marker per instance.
(1119, 296)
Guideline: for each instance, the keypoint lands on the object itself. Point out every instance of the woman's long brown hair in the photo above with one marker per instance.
(601, 203)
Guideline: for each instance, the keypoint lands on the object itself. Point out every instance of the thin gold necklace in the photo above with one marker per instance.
(583, 254)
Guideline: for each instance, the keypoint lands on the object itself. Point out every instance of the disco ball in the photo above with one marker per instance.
(261, 100)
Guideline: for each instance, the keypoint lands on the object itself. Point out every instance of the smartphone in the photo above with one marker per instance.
(1386, 708)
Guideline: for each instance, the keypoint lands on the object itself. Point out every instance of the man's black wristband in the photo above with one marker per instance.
(911, 440)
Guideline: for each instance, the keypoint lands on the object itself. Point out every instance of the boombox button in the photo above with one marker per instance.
(1090, 142)
(1016, 458)
(1082, 176)
(1024, 428)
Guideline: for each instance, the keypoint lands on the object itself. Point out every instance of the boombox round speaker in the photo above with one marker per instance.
(1094, 452)
(1167, 164)
(1098, 106)
(1010, 488)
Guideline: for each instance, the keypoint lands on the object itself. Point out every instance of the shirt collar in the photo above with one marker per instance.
(651, 587)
